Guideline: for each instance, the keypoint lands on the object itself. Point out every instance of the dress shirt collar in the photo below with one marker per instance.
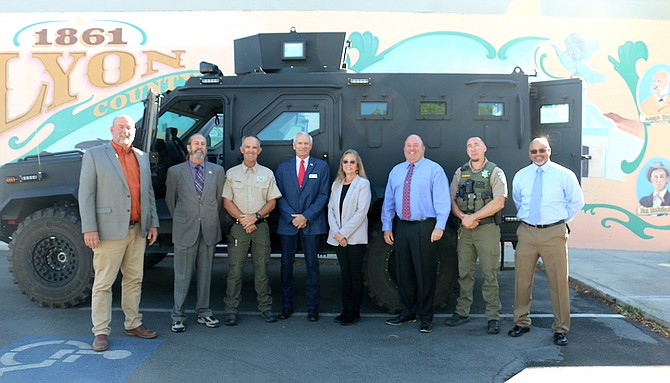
(120, 149)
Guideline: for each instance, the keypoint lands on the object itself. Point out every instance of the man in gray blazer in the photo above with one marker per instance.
(118, 211)
(193, 197)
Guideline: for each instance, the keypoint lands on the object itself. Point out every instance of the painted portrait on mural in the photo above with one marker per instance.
(654, 95)
(652, 188)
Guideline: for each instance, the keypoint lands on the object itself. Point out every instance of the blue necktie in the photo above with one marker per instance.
(536, 199)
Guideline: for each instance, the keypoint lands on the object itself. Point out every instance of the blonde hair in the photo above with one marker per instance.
(359, 162)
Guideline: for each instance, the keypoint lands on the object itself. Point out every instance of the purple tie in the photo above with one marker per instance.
(199, 179)
(406, 212)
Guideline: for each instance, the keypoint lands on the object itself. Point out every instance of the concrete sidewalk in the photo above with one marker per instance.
(627, 278)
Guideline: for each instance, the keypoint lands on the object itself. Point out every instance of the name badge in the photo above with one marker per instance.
(313, 175)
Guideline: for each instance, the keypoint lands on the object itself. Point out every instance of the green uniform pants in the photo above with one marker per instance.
(239, 243)
(482, 242)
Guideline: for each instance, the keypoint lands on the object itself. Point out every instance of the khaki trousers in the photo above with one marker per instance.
(552, 245)
(126, 255)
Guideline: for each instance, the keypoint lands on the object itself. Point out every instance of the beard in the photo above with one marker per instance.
(198, 154)
(659, 91)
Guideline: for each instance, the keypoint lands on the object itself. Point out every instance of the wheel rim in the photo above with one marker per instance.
(54, 260)
(390, 267)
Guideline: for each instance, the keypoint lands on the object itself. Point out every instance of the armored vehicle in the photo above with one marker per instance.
(287, 83)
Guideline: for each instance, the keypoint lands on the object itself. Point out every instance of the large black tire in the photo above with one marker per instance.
(49, 260)
(152, 259)
(380, 279)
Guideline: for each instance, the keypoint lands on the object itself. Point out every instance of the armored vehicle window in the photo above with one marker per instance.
(213, 130)
(288, 124)
(491, 109)
(374, 108)
(433, 109)
(172, 120)
(555, 114)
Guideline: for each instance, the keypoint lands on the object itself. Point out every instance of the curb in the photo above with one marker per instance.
(618, 301)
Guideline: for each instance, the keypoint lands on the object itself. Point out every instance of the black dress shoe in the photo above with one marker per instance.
(313, 316)
(401, 319)
(350, 319)
(560, 339)
(285, 313)
(426, 327)
(338, 319)
(517, 331)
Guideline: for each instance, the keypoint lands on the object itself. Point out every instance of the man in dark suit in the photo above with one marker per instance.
(193, 196)
(657, 175)
(118, 213)
(304, 183)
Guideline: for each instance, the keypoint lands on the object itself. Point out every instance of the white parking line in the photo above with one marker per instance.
(377, 315)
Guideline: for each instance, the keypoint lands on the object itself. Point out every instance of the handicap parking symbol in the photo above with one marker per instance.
(53, 360)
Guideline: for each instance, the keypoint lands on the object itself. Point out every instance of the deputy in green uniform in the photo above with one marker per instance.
(478, 192)
(249, 195)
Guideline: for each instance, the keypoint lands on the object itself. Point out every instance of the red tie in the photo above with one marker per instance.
(406, 213)
(301, 173)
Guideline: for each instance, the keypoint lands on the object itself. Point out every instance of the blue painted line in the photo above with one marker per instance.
(65, 359)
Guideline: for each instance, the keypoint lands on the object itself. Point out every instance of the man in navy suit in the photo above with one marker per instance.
(304, 183)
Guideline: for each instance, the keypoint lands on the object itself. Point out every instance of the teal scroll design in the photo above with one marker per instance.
(541, 61)
(629, 53)
(66, 122)
(502, 52)
(367, 45)
(634, 223)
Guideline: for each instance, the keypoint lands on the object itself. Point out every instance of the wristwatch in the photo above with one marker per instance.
(258, 216)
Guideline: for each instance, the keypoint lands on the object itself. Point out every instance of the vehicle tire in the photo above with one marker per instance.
(381, 282)
(152, 259)
(49, 260)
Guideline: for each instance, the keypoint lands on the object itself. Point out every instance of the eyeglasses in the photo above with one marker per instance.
(353, 162)
(534, 151)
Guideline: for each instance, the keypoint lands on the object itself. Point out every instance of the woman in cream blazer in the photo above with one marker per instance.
(348, 220)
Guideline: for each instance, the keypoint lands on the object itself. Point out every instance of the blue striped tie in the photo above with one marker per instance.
(536, 199)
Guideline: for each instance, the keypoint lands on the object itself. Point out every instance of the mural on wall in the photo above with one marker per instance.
(470, 53)
(61, 77)
(61, 52)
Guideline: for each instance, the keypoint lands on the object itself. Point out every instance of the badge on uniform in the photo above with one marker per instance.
(485, 173)
(313, 175)
(260, 178)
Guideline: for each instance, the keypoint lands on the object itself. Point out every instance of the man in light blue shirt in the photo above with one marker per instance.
(547, 196)
(417, 193)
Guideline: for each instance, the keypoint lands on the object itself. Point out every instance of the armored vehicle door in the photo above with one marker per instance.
(181, 115)
(556, 113)
(279, 120)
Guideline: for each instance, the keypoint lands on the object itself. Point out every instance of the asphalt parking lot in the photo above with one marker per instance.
(53, 345)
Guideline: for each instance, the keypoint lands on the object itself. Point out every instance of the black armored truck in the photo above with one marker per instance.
(287, 83)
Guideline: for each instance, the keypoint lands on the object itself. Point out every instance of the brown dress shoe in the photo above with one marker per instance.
(142, 332)
(100, 343)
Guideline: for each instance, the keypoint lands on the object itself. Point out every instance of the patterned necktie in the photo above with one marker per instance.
(199, 179)
(301, 173)
(536, 199)
(657, 201)
(406, 213)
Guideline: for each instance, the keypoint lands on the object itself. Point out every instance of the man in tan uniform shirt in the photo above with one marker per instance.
(249, 195)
